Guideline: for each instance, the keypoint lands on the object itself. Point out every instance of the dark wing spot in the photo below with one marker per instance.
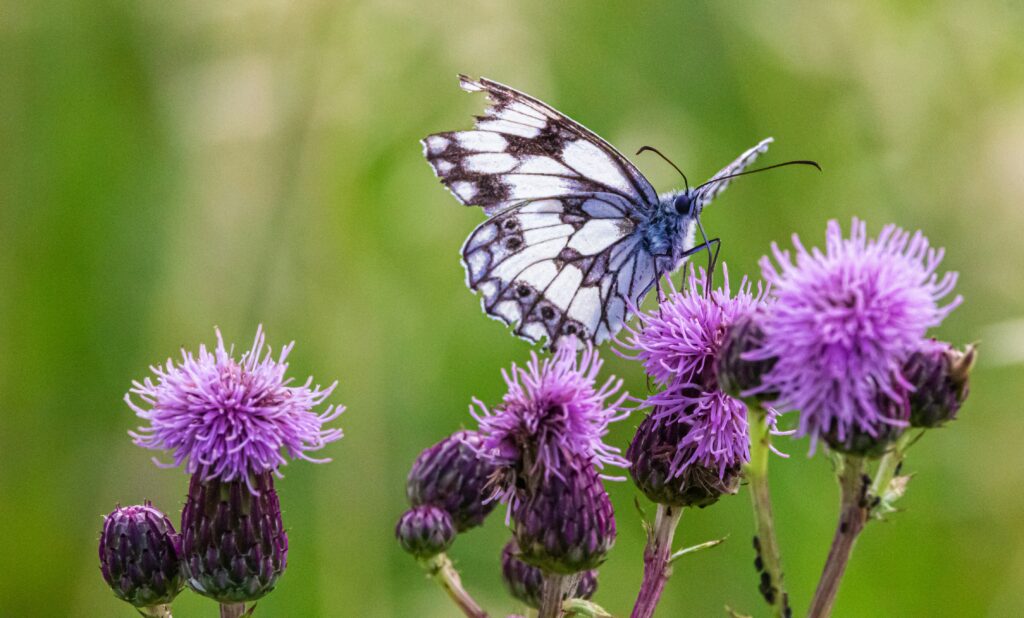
(547, 313)
(511, 223)
(514, 243)
(523, 290)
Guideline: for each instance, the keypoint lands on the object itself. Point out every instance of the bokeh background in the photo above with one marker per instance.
(166, 167)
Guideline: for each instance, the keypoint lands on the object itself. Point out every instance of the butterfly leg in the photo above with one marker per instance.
(712, 259)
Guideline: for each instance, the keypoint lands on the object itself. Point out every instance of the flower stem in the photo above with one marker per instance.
(232, 610)
(555, 587)
(440, 568)
(657, 560)
(769, 558)
(853, 514)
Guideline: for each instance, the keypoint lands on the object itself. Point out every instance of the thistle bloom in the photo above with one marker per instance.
(553, 416)
(679, 341)
(843, 323)
(678, 344)
(231, 420)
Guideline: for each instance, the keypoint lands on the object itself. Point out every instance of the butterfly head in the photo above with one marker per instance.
(685, 204)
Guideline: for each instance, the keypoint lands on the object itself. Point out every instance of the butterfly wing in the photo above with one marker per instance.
(713, 187)
(523, 149)
(565, 266)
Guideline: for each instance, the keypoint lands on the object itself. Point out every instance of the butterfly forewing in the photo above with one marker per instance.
(522, 149)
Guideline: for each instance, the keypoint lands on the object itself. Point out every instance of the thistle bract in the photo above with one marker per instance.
(425, 531)
(737, 375)
(453, 476)
(566, 524)
(657, 456)
(525, 582)
(233, 541)
(140, 556)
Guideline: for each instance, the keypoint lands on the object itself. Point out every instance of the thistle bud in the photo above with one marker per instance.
(940, 375)
(425, 531)
(737, 374)
(235, 547)
(567, 523)
(652, 454)
(140, 556)
(525, 582)
(450, 475)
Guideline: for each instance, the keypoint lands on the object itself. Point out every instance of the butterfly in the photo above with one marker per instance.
(575, 234)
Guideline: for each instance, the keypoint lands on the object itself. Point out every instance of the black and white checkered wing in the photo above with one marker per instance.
(713, 187)
(523, 149)
(560, 266)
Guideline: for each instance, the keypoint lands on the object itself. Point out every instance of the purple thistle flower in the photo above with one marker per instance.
(843, 323)
(717, 436)
(678, 344)
(225, 419)
(678, 341)
(553, 414)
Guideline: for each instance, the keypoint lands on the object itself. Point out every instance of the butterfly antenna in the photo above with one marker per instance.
(813, 164)
(667, 160)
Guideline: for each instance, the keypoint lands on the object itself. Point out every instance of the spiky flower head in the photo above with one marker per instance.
(566, 524)
(553, 415)
(664, 467)
(453, 476)
(844, 321)
(425, 531)
(231, 419)
(140, 556)
(678, 341)
(940, 375)
(233, 540)
(525, 582)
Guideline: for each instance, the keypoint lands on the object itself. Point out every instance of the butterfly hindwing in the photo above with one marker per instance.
(522, 149)
(559, 266)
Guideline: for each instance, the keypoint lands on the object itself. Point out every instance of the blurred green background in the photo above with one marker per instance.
(166, 167)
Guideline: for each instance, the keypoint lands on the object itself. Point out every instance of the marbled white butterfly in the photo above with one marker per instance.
(575, 233)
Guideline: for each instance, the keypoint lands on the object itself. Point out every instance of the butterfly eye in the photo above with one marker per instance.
(683, 204)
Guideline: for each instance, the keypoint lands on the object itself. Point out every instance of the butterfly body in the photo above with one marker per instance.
(576, 235)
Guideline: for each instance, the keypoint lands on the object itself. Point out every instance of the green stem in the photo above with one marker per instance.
(440, 568)
(769, 558)
(555, 587)
(232, 610)
(889, 463)
(853, 514)
(156, 611)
